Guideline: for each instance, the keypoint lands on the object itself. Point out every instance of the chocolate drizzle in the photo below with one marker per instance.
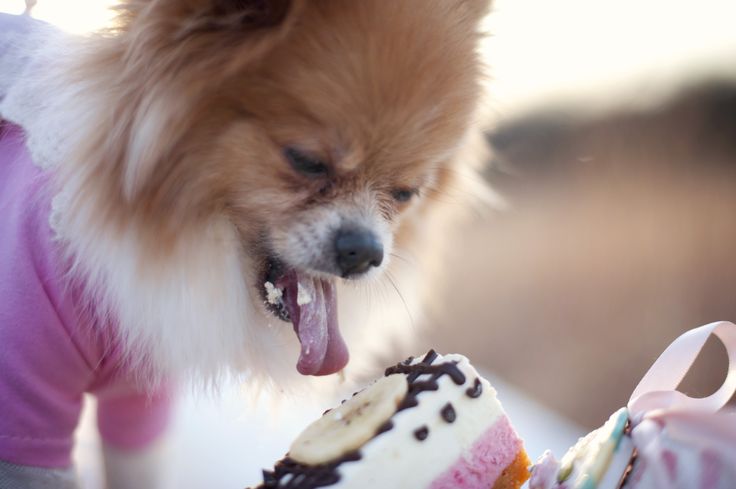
(388, 425)
(629, 469)
(425, 367)
(421, 433)
(290, 474)
(634, 455)
(475, 391)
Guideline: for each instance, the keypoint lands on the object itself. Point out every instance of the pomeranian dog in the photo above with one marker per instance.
(176, 190)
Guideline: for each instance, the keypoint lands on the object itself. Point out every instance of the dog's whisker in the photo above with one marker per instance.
(443, 198)
(401, 258)
(464, 173)
(401, 296)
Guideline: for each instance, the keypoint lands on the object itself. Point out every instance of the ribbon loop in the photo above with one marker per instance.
(657, 390)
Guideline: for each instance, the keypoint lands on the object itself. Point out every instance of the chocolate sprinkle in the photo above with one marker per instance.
(422, 433)
(448, 413)
(475, 391)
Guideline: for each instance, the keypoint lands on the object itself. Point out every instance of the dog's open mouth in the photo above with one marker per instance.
(310, 303)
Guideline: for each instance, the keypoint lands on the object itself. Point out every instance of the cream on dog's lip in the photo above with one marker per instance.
(310, 304)
(271, 293)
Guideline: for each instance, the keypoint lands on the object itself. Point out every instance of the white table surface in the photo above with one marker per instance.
(223, 442)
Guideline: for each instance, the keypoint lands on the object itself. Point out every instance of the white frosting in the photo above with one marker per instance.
(303, 295)
(273, 294)
(396, 459)
(619, 462)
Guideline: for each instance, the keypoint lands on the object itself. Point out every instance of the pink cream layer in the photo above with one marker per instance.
(479, 468)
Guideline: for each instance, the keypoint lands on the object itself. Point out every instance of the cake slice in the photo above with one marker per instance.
(600, 460)
(680, 450)
(429, 423)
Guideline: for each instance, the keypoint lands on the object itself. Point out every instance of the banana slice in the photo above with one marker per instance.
(349, 426)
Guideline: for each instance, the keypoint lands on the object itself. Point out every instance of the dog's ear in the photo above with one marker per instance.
(171, 53)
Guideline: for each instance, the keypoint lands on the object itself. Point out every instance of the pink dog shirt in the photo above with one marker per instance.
(50, 353)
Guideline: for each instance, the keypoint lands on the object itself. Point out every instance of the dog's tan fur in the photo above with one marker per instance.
(193, 114)
(187, 105)
(166, 138)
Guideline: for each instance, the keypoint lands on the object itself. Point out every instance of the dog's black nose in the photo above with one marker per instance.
(357, 251)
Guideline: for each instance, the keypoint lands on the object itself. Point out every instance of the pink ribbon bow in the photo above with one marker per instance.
(684, 442)
(657, 391)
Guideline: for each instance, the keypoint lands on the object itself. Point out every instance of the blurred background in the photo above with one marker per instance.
(614, 142)
(613, 129)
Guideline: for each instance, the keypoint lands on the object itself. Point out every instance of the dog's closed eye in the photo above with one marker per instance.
(404, 194)
(306, 164)
(253, 14)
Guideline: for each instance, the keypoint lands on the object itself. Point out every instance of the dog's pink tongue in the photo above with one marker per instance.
(315, 321)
